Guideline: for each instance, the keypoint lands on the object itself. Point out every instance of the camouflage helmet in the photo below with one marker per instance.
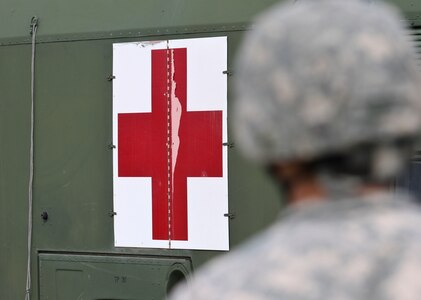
(320, 77)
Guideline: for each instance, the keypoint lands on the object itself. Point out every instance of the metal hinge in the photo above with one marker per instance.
(229, 145)
(230, 216)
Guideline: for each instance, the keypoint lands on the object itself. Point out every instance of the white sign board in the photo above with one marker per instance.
(169, 127)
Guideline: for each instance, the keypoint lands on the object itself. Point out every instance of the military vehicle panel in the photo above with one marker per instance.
(73, 254)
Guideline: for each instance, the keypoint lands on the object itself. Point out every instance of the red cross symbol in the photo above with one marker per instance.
(170, 144)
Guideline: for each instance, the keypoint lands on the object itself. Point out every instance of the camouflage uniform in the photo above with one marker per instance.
(314, 79)
(340, 250)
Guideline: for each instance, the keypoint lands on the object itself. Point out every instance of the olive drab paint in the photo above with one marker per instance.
(73, 250)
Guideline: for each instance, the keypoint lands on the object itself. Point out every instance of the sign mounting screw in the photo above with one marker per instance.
(44, 215)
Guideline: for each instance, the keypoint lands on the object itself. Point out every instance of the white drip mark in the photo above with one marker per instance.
(176, 110)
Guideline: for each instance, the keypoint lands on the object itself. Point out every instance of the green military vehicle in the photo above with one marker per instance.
(117, 167)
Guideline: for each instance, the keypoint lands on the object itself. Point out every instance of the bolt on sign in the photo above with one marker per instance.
(169, 127)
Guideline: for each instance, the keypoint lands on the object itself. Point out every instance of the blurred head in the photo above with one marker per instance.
(332, 84)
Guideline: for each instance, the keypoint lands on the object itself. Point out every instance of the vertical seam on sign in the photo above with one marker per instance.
(169, 164)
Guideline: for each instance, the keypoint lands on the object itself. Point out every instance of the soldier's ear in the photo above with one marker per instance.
(288, 170)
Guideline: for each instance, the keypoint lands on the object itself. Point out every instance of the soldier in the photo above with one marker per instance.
(329, 100)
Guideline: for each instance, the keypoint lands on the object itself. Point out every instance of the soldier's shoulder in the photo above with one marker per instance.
(343, 250)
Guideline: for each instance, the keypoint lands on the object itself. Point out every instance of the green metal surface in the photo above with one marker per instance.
(73, 129)
(76, 20)
(92, 277)
(73, 161)
(14, 168)
(63, 17)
